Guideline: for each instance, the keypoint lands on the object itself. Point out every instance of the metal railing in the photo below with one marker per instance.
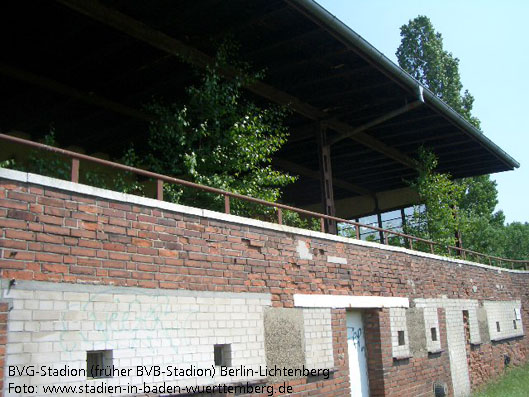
(410, 241)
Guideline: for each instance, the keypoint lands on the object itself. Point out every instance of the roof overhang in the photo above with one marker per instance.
(88, 69)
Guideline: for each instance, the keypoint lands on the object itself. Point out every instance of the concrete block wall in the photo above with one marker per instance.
(318, 338)
(431, 321)
(66, 233)
(505, 316)
(397, 319)
(55, 324)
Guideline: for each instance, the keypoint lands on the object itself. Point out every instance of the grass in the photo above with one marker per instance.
(515, 383)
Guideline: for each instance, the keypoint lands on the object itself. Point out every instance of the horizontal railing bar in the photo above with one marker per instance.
(160, 178)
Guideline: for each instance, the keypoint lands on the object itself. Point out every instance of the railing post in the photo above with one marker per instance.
(431, 248)
(357, 230)
(410, 240)
(226, 204)
(75, 170)
(322, 225)
(386, 238)
(280, 216)
(159, 189)
(490, 261)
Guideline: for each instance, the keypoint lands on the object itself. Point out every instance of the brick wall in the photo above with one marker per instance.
(56, 235)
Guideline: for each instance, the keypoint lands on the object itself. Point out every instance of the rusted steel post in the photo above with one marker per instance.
(403, 219)
(357, 230)
(159, 189)
(379, 221)
(327, 190)
(75, 170)
(226, 204)
(279, 216)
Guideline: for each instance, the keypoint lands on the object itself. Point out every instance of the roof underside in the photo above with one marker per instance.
(46, 43)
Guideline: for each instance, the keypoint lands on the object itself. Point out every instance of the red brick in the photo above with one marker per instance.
(20, 235)
(54, 268)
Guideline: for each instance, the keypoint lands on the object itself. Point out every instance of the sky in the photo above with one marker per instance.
(491, 40)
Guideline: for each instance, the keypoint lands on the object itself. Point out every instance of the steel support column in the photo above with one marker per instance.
(379, 221)
(327, 193)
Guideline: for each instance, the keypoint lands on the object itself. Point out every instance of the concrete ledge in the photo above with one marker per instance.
(78, 188)
(507, 337)
(346, 301)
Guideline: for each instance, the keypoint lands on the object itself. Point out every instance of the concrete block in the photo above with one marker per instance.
(284, 338)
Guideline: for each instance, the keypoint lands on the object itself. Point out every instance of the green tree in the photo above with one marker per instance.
(440, 195)
(421, 54)
(516, 240)
(220, 138)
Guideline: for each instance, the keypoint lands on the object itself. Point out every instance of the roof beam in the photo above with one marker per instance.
(348, 93)
(66, 90)
(257, 53)
(377, 121)
(163, 42)
(307, 172)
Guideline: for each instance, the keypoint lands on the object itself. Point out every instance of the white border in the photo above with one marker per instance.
(26, 177)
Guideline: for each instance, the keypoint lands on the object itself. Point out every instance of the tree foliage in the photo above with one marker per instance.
(421, 54)
(219, 138)
(439, 195)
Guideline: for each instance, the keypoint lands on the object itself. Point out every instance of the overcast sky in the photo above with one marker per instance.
(491, 39)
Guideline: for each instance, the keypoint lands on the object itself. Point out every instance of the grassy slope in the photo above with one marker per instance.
(515, 383)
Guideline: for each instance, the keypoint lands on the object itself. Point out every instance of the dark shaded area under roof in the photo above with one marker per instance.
(89, 81)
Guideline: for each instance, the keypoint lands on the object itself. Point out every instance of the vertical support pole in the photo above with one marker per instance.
(327, 192)
(403, 218)
(379, 221)
(457, 234)
(280, 216)
(226, 204)
(159, 189)
(75, 170)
